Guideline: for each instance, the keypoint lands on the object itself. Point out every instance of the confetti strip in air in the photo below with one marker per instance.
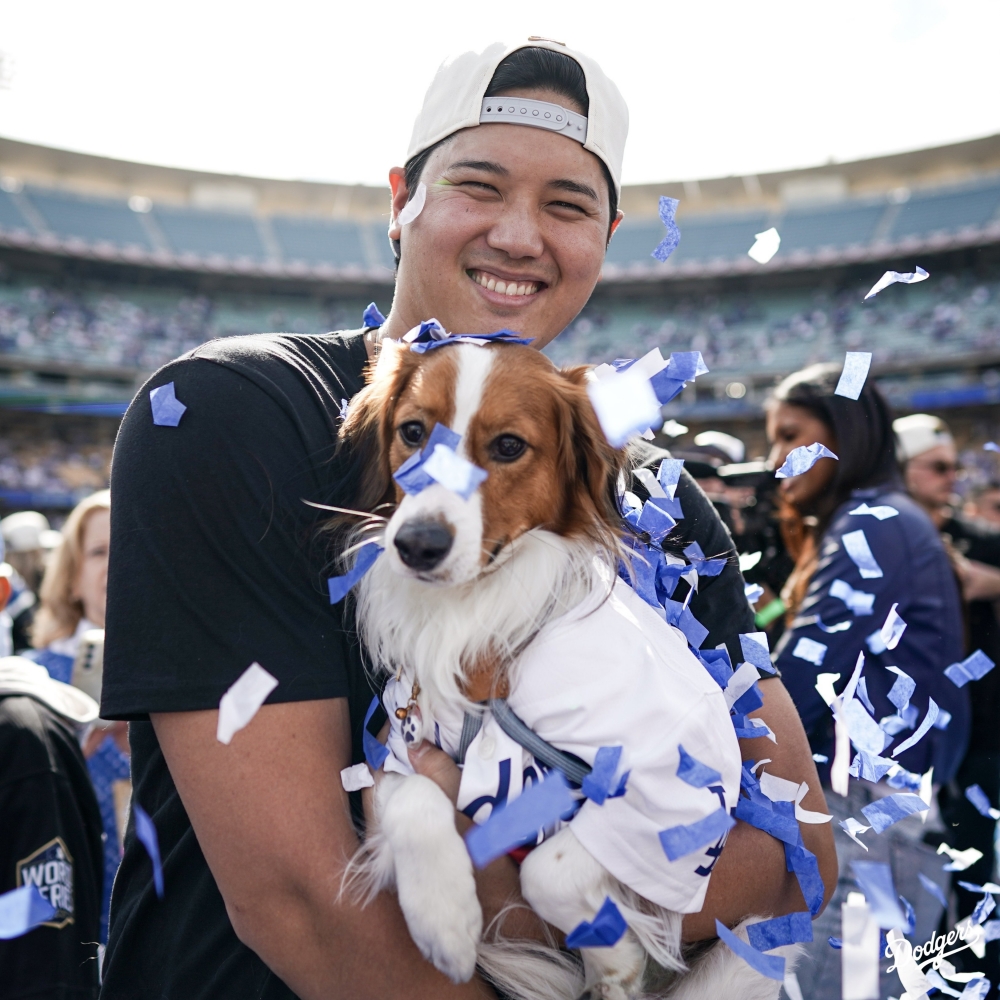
(765, 245)
(852, 378)
(22, 910)
(892, 277)
(669, 243)
(856, 546)
(802, 459)
(340, 586)
(972, 668)
(372, 319)
(243, 700)
(145, 832)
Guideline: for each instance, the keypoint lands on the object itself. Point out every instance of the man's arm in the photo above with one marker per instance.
(750, 876)
(274, 824)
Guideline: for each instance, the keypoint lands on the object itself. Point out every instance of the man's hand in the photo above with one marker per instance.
(750, 875)
(274, 824)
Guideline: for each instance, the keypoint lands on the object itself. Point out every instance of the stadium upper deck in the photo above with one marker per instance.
(70, 203)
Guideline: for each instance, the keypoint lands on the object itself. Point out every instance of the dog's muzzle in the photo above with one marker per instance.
(423, 544)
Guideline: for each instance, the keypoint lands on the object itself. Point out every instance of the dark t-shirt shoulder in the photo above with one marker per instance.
(218, 561)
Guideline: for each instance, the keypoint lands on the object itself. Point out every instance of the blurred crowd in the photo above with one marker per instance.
(53, 466)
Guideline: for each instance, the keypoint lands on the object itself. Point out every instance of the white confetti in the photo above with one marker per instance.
(765, 245)
(852, 378)
(893, 629)
(856, 546)
(882, 511)
(858, 601)
(810, 649)
(357, 777)
(859, 953)
(960, 860)
(853, 828)
(625, 405)
(243, 700)
(891, 277)
(414, 206)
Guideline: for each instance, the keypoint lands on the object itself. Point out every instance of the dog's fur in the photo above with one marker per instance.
(523, 552)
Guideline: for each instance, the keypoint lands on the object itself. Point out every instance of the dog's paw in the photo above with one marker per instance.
(444, 916)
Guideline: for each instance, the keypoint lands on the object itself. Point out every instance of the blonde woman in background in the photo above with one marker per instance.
(73, 595)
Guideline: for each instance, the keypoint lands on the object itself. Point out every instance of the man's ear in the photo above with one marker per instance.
(400, 194)
(616, 224)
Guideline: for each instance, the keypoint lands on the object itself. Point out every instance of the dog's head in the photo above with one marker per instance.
(528, 424)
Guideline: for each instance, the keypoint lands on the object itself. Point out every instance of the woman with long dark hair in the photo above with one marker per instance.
(852, 566)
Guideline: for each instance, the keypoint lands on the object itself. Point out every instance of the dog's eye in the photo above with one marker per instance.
(507, 448)
(412, 433)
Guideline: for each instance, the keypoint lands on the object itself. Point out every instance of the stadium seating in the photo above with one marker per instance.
(347, 243)
(94, 220)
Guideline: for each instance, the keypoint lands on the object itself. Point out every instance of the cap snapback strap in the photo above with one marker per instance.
(540, 114)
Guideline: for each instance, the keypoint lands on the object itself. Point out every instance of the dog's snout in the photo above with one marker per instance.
(423, 544)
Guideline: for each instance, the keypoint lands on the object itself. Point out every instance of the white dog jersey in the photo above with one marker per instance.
(609, 673)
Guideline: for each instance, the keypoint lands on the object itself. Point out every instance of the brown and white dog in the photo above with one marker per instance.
(462, 589)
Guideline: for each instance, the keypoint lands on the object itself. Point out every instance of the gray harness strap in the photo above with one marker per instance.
(575, 770)
(471, 725)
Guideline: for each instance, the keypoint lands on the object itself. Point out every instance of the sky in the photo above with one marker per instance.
(328, 91)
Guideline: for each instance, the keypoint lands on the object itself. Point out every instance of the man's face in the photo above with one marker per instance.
(930, 477)
(508, 207)
(986, 506)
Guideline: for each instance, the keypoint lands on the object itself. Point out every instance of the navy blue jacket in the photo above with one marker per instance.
(918, 577)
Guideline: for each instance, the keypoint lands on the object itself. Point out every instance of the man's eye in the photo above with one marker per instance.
(412, 433)
(507, 448)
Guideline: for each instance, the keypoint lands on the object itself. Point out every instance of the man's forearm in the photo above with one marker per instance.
(750, 877)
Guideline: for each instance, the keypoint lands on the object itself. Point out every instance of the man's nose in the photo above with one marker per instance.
(517, 232)
(423, 544)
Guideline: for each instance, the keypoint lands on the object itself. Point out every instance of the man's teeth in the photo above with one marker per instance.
(504, 287)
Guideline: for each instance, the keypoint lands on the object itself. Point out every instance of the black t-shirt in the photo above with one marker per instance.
(50, 836)
(216, 563)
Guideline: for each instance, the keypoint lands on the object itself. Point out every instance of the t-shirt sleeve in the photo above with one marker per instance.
(216, 559)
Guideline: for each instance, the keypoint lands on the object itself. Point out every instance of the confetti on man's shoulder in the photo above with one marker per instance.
(243, 700)
(167, 408)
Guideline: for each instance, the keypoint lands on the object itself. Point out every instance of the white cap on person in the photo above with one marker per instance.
(22, 531)
(918, 433)
(456, 100)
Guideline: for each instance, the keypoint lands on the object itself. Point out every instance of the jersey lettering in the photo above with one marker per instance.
(50, 869)
(500, 799)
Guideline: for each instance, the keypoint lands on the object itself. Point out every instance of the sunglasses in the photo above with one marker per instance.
(942, 468)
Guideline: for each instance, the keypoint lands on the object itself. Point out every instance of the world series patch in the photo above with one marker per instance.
(50, 868)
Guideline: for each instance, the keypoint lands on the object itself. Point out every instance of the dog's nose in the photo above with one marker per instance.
(423, 545)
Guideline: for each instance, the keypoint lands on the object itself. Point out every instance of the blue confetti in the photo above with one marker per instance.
(606, 929)
(703, 566)
(976, 989)
(375, 752)
(145, 832)
(981, 801)
(669, 243)
(717, 663)
(753, 592)
(792, 928)
(871, 767)
(656, 521)
(911, 916)
(864, 730)
(22, 910)
(670, 474)
(431, 334)
(929, 719)
(810, 650)
(972, 668)
(874, 878)
(856, 600)
(343, 408)
(852, 378)
(779, 826)
(340, 586)
(835, 943)
(905, 780)
(863, 695)
(598, 785)
(991, 446)
(883, 813)
(680, 841)
(694, 772)
(983, 909)
(372, 319)
(934, 889)
(882, 511)
(856, 546)
(772, 966)
(520, 821)
(902, 689)
(411, 475)
(802, 459)
(681, 616)
(167, 408)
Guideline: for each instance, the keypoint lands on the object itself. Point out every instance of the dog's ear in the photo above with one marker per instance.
(589, 462)
(366, 434)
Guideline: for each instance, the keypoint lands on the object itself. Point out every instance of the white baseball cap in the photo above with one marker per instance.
(918, 433)
(456, 100)
(20, 676)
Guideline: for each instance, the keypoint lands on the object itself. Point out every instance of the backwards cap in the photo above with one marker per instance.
(918, 433)
(456, 100)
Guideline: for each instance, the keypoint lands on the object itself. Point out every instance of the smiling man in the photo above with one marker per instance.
(217, 562)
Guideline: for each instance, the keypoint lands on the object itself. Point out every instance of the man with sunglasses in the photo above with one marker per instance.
(931, 469)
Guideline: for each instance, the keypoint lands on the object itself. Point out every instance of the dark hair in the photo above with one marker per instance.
(866, 442)
(534, 68)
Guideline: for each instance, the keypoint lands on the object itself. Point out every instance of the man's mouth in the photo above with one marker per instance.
(512, 288)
